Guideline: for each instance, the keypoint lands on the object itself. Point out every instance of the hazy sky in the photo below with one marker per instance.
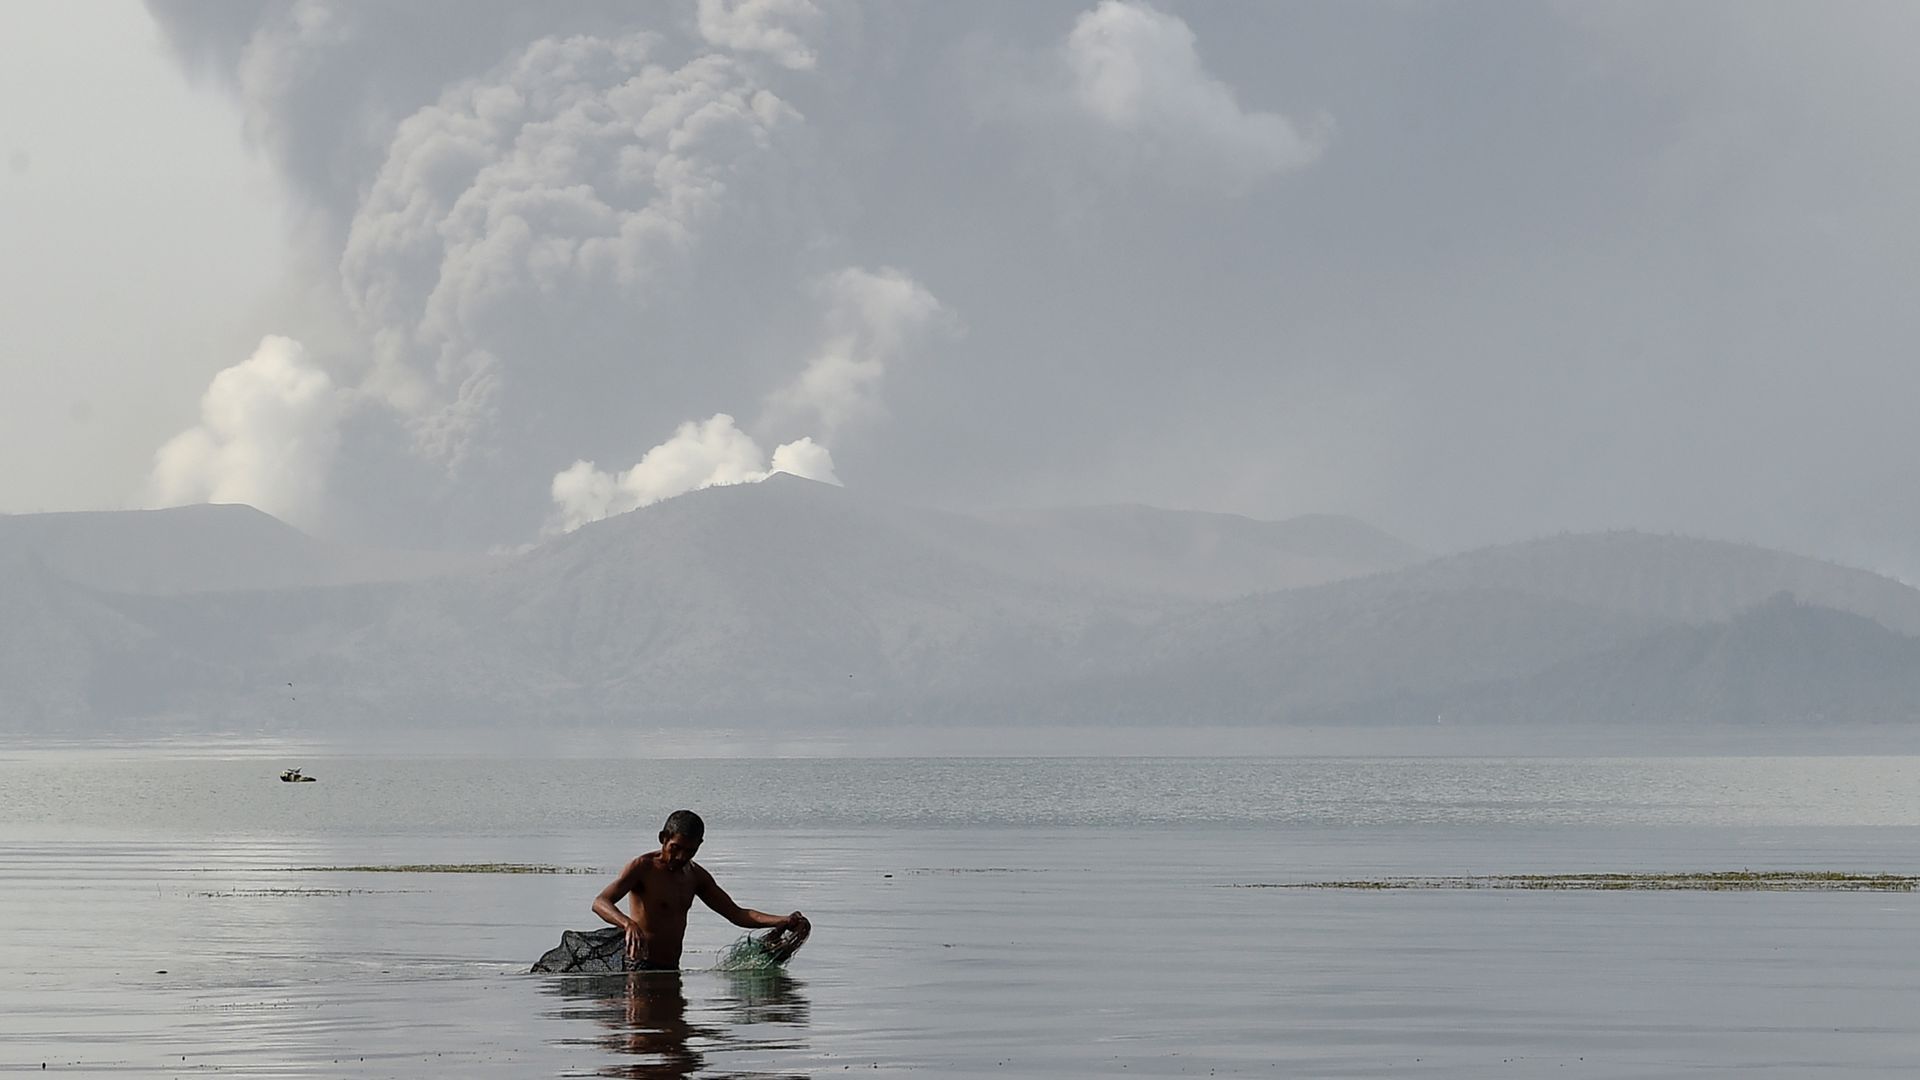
(464, 273)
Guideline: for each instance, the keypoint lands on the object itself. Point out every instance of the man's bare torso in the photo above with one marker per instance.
(659, 903)
(660, 886)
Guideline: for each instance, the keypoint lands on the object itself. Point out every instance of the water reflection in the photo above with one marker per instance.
(646, 1017)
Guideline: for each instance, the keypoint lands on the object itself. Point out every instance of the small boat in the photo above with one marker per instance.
(293, 776)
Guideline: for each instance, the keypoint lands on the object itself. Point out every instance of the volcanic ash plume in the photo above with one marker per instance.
(559, 226)
(570, 184)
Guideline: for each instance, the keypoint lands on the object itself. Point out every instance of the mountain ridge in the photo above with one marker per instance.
(219, 547)
(792, 602)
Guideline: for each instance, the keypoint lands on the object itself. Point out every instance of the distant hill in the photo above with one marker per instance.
(1203, 556)
(782, 600)
(1669, 577)
(1536, 632)
(69, 658)
(203, 548)
(1782, 662)
(1340, 653)
(795, 602)
(49, 641)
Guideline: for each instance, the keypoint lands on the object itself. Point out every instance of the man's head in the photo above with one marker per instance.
(680, 837)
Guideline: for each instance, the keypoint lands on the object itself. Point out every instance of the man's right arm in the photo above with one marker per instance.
(607, 906)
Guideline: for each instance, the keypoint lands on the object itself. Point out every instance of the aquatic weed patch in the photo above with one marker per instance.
(976, 870)
(1709, 881)
(248, 894)
(445, 868)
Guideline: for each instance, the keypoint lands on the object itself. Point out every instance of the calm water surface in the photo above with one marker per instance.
(986, 917)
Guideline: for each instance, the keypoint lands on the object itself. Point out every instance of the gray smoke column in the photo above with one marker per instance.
(553, 233)
(576, 179)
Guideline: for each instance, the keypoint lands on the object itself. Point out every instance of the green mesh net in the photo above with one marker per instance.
(763, 952)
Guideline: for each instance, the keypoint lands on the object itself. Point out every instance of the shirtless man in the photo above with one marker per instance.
(663, 884)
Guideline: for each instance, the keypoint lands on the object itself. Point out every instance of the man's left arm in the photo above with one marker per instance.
(712, 895)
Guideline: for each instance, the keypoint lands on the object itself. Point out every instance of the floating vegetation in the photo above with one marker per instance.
(446, 868)
(225, 894)
(975, 870)
(1714, 881)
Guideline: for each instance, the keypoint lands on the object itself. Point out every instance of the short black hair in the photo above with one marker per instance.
(685, 824)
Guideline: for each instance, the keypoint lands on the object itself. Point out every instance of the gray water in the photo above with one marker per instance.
(973, 917)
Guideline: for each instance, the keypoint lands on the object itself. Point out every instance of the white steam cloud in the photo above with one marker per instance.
(872, 318)
(701, 454)
(1134, 71)
(777, 28)
(268, 433)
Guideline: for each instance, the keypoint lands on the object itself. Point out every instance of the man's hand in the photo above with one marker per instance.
(636, 942)
(787, 936)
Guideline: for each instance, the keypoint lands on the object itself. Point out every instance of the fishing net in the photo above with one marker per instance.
(766, 952)
(604, 952)
(596, 951)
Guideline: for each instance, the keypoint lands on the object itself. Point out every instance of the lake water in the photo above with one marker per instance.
(973, 917)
